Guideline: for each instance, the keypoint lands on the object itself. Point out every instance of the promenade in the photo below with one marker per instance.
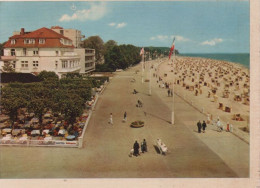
(106, 147)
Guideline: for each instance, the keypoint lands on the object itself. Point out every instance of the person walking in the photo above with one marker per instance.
(169, 92)
(204, 125)
(111, 119)
(199, 126)
(144, 146)
(136, 148)
(125, 117)
(219, 126)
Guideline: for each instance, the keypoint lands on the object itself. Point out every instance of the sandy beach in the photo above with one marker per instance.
(219, 89)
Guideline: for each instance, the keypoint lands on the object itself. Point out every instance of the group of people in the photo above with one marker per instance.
(136, 148)
(111, 118)
(201, 125)
(139, 104)
(170, 94)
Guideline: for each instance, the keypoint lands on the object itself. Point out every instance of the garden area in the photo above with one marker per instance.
(50, 112)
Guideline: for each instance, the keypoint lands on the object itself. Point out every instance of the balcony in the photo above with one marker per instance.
(8, 58)
(69, 69)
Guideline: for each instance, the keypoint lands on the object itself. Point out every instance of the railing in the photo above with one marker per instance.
(51, 143)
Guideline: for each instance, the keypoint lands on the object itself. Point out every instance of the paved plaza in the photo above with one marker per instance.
(106, 147)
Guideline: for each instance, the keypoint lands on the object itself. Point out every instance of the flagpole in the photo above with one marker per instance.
(173, 59)
(142, 67)
(173, 89)
(150, 88)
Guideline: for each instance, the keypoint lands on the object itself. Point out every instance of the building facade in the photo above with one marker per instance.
(45, 49)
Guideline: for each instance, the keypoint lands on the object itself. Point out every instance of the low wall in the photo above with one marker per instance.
(51, 143)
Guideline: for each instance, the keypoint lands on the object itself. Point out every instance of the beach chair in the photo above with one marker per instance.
(162, 147)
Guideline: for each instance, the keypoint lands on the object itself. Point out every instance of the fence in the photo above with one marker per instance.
(50, 143)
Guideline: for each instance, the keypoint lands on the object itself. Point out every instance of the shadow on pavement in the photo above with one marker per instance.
(156, 149)
(146, 113)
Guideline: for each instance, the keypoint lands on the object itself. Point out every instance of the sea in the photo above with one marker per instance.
(241, 58)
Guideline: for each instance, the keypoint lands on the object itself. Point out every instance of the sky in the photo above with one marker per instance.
(198, 27)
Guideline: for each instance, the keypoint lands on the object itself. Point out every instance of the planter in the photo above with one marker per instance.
(137, 124)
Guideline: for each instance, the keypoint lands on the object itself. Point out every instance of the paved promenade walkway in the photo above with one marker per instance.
(106, 147)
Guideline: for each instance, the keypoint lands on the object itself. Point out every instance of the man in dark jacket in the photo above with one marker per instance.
(199, 127)
(136, 148)
(204, 125)
(144, 146)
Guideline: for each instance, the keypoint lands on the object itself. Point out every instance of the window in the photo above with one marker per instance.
(12, 52)
(13, 41)
(57, 53)
(35, 64)
(41, 41)
(88, 58)
(29, 41)
(35, 52)
(24, 51)
(56, 64)
(24, 64)
(64, 64)
(61, 32)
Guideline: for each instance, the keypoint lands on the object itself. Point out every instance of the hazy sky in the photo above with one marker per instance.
(199, 27)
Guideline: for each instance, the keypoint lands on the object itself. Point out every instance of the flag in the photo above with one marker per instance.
(172, 48)
(142, 51)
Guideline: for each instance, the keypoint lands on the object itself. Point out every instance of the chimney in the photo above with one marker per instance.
(22, 31)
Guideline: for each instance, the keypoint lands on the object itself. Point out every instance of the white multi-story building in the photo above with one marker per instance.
(45, 49)
(73, 34)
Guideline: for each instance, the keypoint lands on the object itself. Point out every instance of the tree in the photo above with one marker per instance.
(95, 42)
(2, 48)
(48, 75)
(109, 45)
(8, 67)
(12, 100)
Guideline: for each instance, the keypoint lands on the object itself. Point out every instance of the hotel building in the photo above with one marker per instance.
(50, 50)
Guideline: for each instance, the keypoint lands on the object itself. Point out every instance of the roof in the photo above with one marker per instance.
(18, 77)
(56, 27)
(52, 39)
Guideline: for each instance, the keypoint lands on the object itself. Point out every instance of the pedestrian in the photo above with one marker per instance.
(231, 128)
(125, 117)
(169, 92)
(136, 148)
(199, 126)
(144, 146)
(111, 119)
(204, 125)
(219, 125)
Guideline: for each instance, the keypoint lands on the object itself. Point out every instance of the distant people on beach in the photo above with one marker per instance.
(139, 104)
(125, 116)
(111, 119)
(219, 125)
